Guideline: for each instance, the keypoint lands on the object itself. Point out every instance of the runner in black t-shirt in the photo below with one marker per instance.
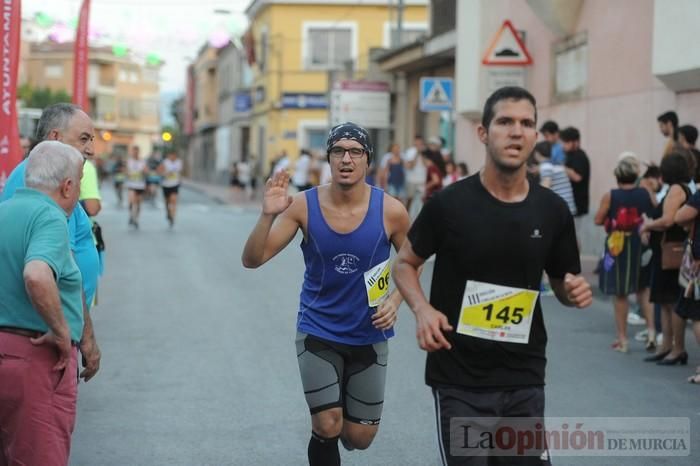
(493, 234)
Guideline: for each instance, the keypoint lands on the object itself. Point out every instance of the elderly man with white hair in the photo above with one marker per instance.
(70, 125)
(41, 310)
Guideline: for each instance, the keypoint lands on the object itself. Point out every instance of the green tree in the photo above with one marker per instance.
(41, 97)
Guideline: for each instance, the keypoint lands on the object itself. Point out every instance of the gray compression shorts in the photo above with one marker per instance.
(337, 375)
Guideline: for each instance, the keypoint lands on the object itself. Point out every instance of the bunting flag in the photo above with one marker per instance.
(10, 150)
(80, 59)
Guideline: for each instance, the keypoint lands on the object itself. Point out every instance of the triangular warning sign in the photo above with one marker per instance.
(507, 49)
(437, 95)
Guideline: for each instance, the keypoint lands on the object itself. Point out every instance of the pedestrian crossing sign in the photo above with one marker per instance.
(436, 94)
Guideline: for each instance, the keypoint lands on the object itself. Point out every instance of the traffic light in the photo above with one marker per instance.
(106, 136)
(166, 136)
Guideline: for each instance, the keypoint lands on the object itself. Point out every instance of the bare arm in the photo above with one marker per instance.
(396, 224)
(573, 175)
(92, 206)
(430, 323)
(40, 283)
(277, 225)
(674, 200)
(88, 346)
(603, 209)
(686, 215)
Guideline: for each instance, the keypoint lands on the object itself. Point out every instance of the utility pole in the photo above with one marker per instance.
(399, 23)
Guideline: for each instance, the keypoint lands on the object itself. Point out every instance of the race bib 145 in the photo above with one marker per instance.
(495, 312)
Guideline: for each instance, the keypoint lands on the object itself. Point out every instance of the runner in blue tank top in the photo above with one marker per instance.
(346, 313)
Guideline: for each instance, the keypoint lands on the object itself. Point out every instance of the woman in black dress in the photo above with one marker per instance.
(688, 307)
(665, 289)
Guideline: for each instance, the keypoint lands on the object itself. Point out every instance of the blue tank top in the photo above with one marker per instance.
(333, 301)
(396, 175)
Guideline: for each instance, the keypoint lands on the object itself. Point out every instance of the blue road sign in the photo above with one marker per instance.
(436, 94)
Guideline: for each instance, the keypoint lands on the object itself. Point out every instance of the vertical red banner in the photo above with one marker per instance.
(10, 151)
(80, 59)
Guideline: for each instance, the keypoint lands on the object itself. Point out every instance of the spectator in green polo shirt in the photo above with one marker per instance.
(41, 310)
(90, 196)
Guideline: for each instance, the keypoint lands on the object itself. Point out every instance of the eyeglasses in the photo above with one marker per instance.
(355, 152)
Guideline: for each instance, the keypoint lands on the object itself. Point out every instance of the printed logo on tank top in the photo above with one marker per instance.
(346, 263)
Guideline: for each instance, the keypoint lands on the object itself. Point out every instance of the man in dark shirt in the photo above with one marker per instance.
(687, 137)
(493, 234)
(579, 169)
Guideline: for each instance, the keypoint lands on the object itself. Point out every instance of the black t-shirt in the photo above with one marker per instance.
(477, 237)
(696, 155)
(577, 160)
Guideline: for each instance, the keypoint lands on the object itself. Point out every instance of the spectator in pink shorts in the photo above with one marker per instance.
(41, 311)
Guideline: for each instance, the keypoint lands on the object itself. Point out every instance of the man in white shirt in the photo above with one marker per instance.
(415, 170)
(302, 170)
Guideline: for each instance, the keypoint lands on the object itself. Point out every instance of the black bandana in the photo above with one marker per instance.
(350, 131)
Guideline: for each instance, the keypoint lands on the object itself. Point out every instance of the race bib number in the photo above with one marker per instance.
(136, 176)
(495, 312)
(172, 176)
(377, 283)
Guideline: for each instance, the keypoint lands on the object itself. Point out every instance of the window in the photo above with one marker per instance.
(128, 109)
(93, 77)
(53, 71)
(149, 108)
(328, 47)
(316, 139)
(570, 68)
(105, 107)
(107, 75)
(123, 75)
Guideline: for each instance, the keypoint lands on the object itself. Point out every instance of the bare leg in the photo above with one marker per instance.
(647, 312)
(358, 436)
(666, 328)
(695, 378)
(172, 207)
(678, 326)
(621, 305)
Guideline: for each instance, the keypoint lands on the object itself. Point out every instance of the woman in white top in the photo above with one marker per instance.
(170, 169)
(136, 170)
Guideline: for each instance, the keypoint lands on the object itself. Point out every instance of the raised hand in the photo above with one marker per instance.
(276, 200)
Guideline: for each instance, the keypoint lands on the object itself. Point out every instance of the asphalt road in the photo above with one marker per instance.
(199, 365)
